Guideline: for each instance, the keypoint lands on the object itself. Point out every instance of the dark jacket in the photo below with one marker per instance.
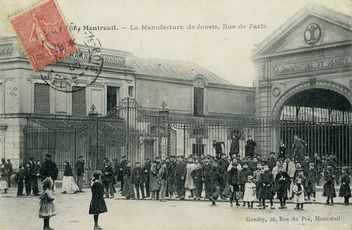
(146, 169)
(137, 175)
(249, 149)
(207, 172)
(216, 176)
(180, 171)
(107, 174)
(233, 176)
(345, 190)
(197, 175)
(80, 168)
(244, 173)
(68, 171)
(49, 169)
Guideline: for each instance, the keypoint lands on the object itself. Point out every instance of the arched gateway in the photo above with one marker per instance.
(304, 81)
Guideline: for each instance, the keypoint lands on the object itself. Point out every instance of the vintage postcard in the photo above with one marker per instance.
(175, 115)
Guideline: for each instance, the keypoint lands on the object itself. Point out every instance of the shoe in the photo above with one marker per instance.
(231, 204)
(272, 207)
(314, 199)
(243, 204)
(280, 207)
(296, 208)
(237, 204)
(97, 227)
(284, 207)
(64, 192)
(259, 205)
(262, 207)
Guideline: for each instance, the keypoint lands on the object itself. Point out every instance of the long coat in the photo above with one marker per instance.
(137, 175)
(282, 182)
(97, 204)
(299, 147)
(128, 190)
(249, 149)
(107, 174)
(153, 179)
(266, 182)
(189, 182)
(329, 186)
(345, 190)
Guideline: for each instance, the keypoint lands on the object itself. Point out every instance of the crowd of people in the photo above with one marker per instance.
(230, 178)
(281, 176)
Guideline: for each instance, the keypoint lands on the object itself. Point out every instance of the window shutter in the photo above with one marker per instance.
(79, 101)
(41, 98)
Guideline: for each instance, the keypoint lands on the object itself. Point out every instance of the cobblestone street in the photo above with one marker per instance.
(22, 213)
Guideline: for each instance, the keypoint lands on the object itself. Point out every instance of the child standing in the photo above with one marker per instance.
(345, 190)
(256, 177)
(97, 203)
(198, 176)
(47, 207)
(298, 194)
(249, 192)
(311, 181)
(282, 180)
(329, 185)
(266, 182)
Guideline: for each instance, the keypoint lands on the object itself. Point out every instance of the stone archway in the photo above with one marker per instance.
(312, 84)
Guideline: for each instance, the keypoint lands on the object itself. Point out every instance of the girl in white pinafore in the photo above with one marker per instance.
(249, 195)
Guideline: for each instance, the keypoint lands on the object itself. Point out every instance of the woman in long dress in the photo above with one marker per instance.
(3, 179)
(68, 182)
(189, 182)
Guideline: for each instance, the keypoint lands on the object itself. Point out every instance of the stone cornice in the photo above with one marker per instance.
(311, 49)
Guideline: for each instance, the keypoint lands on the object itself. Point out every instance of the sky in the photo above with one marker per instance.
(226, 52)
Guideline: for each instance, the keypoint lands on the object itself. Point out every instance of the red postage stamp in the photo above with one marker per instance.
(45, 37)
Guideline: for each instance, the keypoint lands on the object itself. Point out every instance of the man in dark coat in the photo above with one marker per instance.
(266, 182)
(217, 145)
(138, 179)
(216, 180)
(123, 164)
(107, 179)
(180, 176)
(146, 169)
(198, 177)
(35, 171)
(80, 172)
(170, 168)
(299, 148)
(223, 164)
(207, 177)
(282, 181)
(10, 172)
(345, 190)
(49, 169)
(235, 145)
(250, 146)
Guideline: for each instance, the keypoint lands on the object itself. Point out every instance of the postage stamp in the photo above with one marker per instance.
(44, 36)
(83, 67)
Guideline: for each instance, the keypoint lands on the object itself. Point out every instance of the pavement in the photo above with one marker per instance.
(22, 213)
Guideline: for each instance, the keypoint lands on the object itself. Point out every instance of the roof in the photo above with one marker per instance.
(174, 70)
(330, 15)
